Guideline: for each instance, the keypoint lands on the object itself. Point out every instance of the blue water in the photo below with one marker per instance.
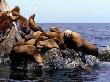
(97, 33)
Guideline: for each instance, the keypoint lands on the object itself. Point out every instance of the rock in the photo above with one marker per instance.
(104, 53)
(63, 59)
(7, 44)
(71, 53)
(53, 59)
(92, 61)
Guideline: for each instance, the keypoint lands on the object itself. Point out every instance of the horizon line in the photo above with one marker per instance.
(74, 22)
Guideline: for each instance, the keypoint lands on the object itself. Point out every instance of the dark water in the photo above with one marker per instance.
(93, 32)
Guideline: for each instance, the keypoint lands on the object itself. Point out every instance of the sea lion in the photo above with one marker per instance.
(15, 11)
(36, 34)
(58, 37)
(50, 34)
(49, 43)
(30, 42)
(28, 50)
(23, 27)
(5, 22)
(45, 45)
(33, 41)
(74, 40)
(22, 22)
(55, 29)
(53, 35)
(23, 42)
(39, 38)
(33, 25)
(6, 14)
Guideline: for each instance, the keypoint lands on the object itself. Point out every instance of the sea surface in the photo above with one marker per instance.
(97, 33)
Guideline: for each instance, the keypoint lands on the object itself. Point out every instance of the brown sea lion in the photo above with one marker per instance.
(5, 22)
(55, 29)
(30, 42)
(47, 44)
(22, 24)
(50, 34)
(33, 41)
(58, 37)
(53, 35)
(37, 33)
(6, 14)
(74, 40)
(16, 11)
(23, 27)
(23, 42)
(40, 38)
(33, 25)
(22, 21)
(28, 50)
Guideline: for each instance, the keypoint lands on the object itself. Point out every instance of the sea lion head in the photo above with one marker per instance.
(16, 11)
(55, 29)
(17, 8)
(33, 15)
(67, 33)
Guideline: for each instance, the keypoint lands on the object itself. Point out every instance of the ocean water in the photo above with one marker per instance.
(97, 33)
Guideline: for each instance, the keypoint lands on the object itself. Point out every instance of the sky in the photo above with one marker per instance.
(65, 11)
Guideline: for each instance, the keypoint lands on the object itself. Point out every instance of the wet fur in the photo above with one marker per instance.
(78, 43)
(33, 25)
(28, 50)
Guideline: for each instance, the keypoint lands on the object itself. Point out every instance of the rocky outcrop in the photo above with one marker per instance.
(104, 53)
(7, 44)
(63, 59)
(56, 59)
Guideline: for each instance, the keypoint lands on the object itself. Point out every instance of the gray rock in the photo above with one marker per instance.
(6, 45)
(53, 59)
(63, 59)
(92, 60)
(104, 53)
